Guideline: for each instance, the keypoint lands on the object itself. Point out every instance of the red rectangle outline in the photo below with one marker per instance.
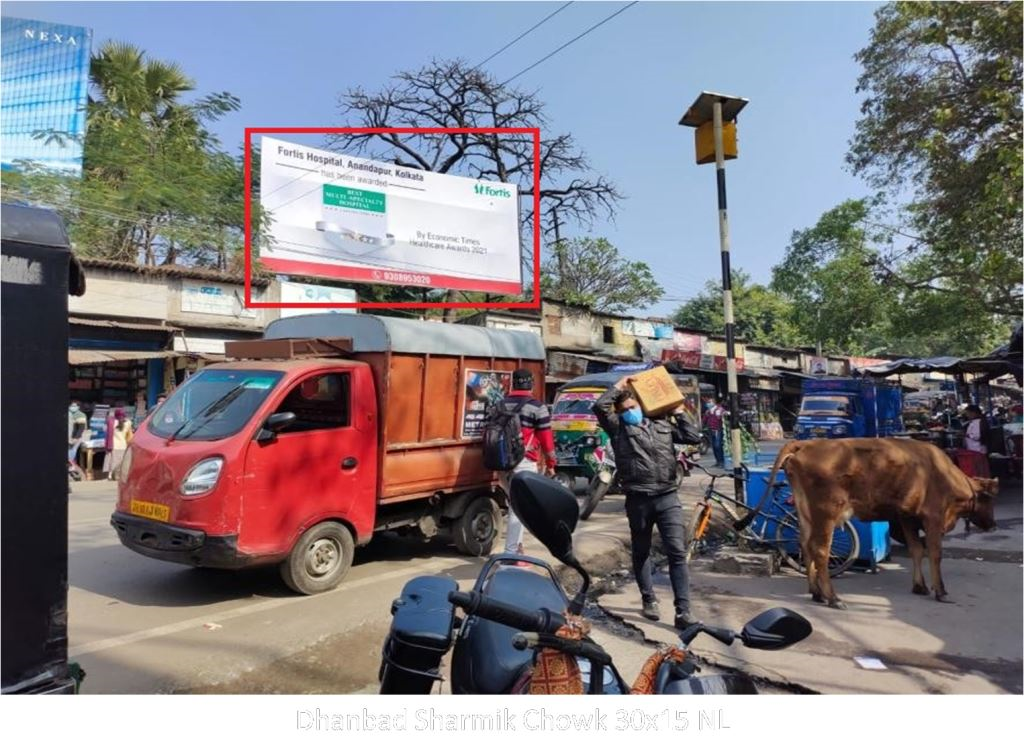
(534, 305)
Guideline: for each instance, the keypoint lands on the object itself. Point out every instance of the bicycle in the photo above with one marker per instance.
(779, 513)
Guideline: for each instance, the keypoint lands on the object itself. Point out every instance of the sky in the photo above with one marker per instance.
(620, 91)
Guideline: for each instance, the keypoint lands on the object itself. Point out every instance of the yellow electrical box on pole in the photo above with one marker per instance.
(704, 136)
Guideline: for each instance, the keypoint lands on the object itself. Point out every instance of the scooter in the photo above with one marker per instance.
(602, 482)
(686, 458)
(516, 620)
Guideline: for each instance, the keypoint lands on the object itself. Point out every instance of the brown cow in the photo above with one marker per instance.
(912, 483)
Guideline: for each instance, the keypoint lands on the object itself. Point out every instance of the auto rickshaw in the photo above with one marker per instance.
(579, 439)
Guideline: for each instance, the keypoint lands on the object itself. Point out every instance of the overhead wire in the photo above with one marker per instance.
(524, 34)
(571, 42)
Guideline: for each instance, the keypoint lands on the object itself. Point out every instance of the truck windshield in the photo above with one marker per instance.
(825, 406)
(214, 404)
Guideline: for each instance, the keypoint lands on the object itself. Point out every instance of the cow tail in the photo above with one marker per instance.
(780, 461)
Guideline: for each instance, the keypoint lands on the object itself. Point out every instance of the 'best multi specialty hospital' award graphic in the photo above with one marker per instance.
(344, 217)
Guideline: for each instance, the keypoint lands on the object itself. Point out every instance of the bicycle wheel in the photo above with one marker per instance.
(842, 554)
(698, 527)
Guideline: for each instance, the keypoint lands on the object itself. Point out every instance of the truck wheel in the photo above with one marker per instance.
(477, 528)
(319, 560)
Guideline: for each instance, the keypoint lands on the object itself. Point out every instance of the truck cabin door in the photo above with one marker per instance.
(320, 466)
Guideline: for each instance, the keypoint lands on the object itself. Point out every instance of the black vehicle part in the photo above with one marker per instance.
(725, 684)
(39, 271)
(775, 629)
(478, 605)
(485, 660)
(420, 636)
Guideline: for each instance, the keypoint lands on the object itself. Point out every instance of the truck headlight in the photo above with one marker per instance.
(203, 477)
(840, 429)
(798, 428)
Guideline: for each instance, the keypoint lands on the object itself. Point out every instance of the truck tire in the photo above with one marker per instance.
(320, 559)
(476, 529)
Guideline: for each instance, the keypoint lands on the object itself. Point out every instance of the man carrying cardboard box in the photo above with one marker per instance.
(646, 461)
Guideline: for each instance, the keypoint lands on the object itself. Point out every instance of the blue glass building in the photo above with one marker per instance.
(44, 86)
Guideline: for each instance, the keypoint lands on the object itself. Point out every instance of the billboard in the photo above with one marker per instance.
(293, 291)
(45, 82)
(336, 216)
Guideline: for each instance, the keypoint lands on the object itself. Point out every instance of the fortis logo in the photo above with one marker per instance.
(481, 190)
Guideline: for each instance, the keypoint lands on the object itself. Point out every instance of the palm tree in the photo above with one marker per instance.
(127, 85)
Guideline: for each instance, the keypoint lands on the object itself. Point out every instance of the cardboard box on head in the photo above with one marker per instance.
(656, 392)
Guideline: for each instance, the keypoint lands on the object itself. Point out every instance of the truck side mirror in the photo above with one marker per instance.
(274, 425)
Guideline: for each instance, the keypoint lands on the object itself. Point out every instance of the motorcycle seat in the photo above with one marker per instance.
(484, 661)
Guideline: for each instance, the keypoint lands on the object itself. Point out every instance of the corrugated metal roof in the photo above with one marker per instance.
(371, 333)
(187, 272)
(118, 324)
(81, 356)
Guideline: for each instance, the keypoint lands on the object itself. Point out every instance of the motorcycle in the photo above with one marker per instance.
(575, 459)
(517, 622)
(686, 458)
(602, 482)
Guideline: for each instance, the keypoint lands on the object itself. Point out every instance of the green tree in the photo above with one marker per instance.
(454, 94)
(941, 122)
(590, 272)
(840, 297)
(761, 315)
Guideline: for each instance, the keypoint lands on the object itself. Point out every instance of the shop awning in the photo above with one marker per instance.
(80, 356)
(118, 324)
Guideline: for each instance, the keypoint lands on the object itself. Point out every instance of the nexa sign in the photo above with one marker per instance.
(50, 37)
(482, 190)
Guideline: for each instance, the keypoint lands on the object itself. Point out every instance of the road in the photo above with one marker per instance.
(143, 626)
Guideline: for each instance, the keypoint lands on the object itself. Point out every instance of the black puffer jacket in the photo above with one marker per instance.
(644, 454)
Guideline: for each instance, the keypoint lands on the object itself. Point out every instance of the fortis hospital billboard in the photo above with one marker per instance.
(342, 217)
(45, 81)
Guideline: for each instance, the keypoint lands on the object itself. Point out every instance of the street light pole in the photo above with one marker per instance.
(715, 115)
(730, 322)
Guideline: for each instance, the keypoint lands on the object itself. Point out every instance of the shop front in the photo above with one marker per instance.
(759, 404)
(114, 365)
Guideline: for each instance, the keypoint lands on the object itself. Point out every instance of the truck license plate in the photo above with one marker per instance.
(149, 510)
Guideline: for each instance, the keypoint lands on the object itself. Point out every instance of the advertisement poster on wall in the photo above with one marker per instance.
(293, 291)
(336, 216)
(483, 390)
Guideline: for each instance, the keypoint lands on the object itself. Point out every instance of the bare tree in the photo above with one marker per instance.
(450, 94)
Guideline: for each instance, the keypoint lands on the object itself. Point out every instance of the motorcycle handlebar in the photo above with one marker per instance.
(475, 603)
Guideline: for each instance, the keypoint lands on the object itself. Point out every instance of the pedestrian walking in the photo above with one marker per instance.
(714, 421)
(976, 439)
(108, 446)
(122, 436)
(77, 423)
(646, 460)
(538, 445)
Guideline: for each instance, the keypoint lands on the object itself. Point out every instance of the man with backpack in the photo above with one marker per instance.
(518, 438)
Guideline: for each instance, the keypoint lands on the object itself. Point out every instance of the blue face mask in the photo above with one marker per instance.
(633, 416)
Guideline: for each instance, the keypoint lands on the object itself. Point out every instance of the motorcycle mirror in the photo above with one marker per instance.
(548, 510)
(775, 629)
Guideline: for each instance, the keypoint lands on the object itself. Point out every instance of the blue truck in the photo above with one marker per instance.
(845, 407)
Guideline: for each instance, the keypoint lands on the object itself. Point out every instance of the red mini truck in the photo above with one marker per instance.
(331, 428)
